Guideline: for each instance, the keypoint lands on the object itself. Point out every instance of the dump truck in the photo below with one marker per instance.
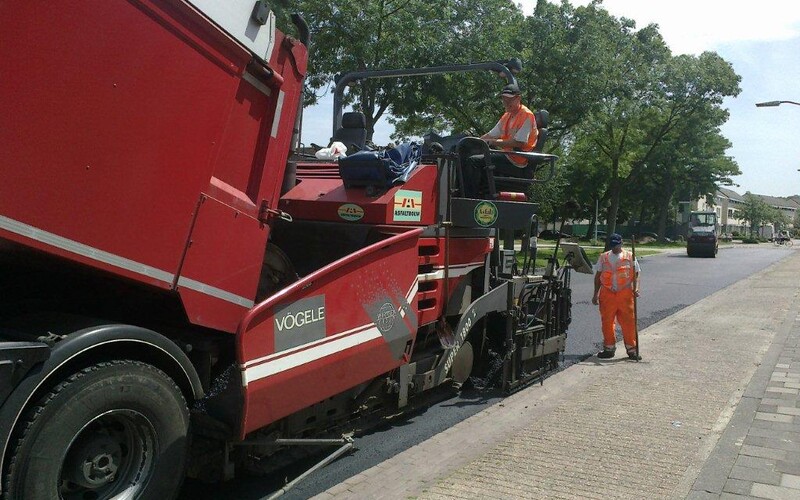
(184, 296)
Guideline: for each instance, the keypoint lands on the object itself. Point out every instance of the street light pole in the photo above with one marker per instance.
(771, 104)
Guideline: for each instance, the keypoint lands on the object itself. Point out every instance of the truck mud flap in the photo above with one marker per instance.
(16, 360)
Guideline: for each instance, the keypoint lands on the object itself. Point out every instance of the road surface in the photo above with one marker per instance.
(670, 282)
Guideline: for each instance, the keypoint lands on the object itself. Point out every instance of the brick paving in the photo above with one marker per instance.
(711, 412)
(758, 456)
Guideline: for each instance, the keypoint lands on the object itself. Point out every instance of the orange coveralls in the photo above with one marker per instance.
(616, 298)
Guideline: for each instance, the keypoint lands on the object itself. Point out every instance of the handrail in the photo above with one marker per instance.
(343, 80)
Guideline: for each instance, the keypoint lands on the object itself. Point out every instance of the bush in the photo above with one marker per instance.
(750, 240)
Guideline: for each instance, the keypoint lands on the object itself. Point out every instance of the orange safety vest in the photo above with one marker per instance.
(510, 125)
(617, 276)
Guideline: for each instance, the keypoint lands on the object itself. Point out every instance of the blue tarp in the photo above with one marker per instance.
(384, 168)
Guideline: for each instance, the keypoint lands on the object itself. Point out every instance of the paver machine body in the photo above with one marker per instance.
(167, 273)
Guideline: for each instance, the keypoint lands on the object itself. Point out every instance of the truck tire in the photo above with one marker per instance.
(118, 428)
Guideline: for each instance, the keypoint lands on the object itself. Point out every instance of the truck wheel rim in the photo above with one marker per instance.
(111, 456)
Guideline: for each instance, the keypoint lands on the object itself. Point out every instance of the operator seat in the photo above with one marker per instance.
(353, 132)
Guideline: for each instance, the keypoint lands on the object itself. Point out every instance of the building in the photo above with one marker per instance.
(729, 206)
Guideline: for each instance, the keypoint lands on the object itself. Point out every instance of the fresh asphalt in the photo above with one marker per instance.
(670, 282)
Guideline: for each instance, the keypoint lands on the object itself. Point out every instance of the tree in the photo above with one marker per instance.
(777, 218)
(690, 164)
(755, 212)
(645, 130)
(357, 35)
(550, 197)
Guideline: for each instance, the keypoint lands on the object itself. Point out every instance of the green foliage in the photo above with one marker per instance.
(357, 35)
(755, 212)
(777, 217)
(592, 252)
(637, 129)
(550, 196)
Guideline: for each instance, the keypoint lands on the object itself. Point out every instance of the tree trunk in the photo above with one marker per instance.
(613, 209)
(367, 101)
(663, 211)
(592, 225)
(641, 218)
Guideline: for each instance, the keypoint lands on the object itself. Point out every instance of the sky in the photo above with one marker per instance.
(760, 39)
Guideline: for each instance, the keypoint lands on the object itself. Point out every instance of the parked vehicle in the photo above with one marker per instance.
(179, 297)
(652, 235)
(551, 234)
(601, 236)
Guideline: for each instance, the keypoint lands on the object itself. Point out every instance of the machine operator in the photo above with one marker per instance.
(515, 131)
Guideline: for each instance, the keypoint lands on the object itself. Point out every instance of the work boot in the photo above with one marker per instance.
(633, 355)
(606, 353)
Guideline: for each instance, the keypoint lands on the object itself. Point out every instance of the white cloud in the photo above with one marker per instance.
(692, 26)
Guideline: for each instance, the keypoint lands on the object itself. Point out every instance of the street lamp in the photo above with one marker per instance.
(770, 104)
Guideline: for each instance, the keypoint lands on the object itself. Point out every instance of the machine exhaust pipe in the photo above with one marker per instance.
(305, 38)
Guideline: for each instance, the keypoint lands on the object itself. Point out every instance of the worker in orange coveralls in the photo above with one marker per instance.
(616, 282)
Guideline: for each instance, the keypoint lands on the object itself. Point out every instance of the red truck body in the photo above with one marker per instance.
(139, 146)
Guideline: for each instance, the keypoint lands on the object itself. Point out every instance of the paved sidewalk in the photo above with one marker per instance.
(711, 412)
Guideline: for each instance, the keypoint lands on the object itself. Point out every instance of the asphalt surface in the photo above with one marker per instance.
(721, 374)
(670, 282)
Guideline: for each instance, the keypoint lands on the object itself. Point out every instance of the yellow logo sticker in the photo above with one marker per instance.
(350, 212)
(485, 213)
